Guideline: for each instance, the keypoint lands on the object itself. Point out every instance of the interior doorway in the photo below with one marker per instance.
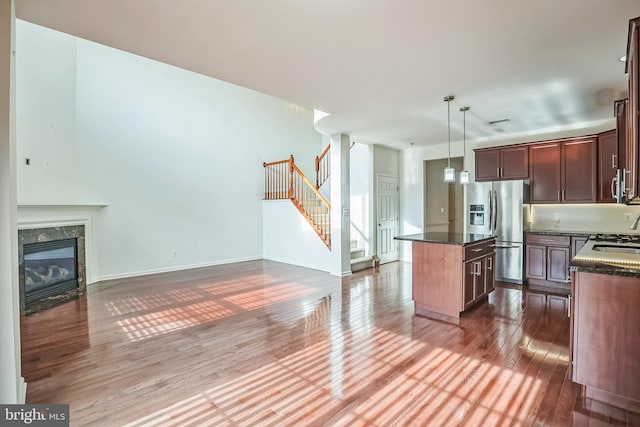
(443, 202)
(388, 219)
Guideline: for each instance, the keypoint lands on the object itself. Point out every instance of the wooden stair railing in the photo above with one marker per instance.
(323, 168)
(284, 180)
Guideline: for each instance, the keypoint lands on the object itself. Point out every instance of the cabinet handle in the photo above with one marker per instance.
(558, 195)
(569, 307)
(613, 186)
(562, 195)
(613, 161)
(490, 261)
(476, 250)
(547, 240)
(498, 172)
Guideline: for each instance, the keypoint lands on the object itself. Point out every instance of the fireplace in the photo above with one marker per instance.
(52, 266)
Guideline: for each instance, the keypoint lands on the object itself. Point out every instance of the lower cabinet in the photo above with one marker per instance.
(479, 278)
(547, 265)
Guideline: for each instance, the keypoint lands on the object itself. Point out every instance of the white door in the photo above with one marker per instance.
(387, 217)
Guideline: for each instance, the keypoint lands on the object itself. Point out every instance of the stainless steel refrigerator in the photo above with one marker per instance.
(498, 208)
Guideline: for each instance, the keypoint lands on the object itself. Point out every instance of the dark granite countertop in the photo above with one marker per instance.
(556, 232)
(446, 238)
(589, 260)
(603, 268)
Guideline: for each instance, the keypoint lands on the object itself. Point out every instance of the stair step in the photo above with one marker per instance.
(357, 253)
(361, 263)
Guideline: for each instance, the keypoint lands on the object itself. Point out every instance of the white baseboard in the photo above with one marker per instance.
(299, 264)
(171, 269)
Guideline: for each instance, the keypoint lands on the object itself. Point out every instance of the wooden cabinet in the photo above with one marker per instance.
(489, 273)
(632, 109)
(547, 262)
(479, 278)
(607, 165)
(563, 171)
(577, 242)
(544, 173)
(605, 337)
(495, 164)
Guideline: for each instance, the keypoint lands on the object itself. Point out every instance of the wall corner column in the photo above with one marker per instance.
(340, 206)
(12, 386)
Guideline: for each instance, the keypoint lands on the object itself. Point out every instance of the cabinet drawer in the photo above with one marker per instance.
(479, 249)
(547, 240)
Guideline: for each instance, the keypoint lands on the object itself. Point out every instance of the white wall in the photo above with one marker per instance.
(46, 116)
(175, 155)
(362, 213)
(289, 238)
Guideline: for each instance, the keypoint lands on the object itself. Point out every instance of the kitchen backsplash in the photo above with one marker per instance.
(607, 218)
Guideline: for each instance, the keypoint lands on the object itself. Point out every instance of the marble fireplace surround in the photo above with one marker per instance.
(47, 234)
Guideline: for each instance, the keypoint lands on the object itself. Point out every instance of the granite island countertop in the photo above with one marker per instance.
(446, 238)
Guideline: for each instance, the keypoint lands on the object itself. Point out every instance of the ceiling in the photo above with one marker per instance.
(381, 68)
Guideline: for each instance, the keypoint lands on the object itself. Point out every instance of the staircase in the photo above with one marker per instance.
(284, 180)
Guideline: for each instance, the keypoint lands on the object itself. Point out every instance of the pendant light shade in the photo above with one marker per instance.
(449, 172)
(464, 175)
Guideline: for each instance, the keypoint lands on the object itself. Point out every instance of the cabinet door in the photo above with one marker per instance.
(514, 163)
(578, 171)
(576, 244)
(478, 285)
(487, 165)
(633, 132)
(607, 165)
(489, 273)
(469, 280)
(544, 173)
(622, 137)
(536, 262)
(558, 264)
(606, 348)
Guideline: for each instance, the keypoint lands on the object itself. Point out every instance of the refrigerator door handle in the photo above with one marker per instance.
(490, 212)
(495, 211)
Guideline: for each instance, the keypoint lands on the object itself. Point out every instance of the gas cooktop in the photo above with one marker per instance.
(615, 238)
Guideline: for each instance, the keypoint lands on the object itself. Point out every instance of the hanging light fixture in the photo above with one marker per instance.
(449, 172)
(464, 174)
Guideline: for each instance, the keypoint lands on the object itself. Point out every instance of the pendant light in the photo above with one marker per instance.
(449, 172)
(464, 175)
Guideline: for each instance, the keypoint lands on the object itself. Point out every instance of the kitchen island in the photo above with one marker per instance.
(451, 272)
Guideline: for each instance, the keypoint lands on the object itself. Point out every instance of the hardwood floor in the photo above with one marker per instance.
(264, 343)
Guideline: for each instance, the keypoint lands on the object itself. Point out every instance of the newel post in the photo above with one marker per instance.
(291, 177)
(317, 172)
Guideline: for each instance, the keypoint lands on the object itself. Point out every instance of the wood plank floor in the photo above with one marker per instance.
(269, 344)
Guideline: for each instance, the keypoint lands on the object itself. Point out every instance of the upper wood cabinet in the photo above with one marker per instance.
(632, 131)
(495, 164)
(607, 165)
(563, 171)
